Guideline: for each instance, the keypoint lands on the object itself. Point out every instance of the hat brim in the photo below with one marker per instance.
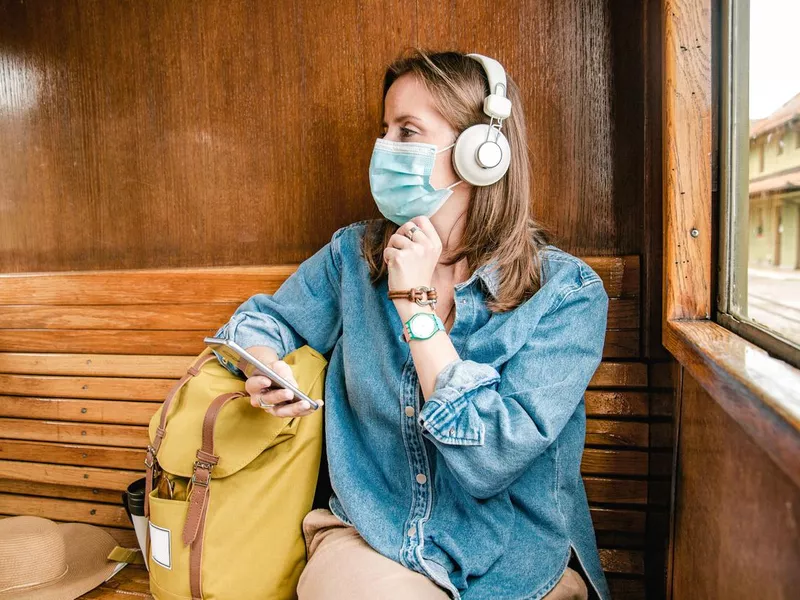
(87, 549)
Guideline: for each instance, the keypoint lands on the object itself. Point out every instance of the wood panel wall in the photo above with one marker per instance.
(190, 134)
(737, 515)
(179, 134)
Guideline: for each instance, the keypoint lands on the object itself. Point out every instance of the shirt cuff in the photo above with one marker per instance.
(238, 330)
(449, 415)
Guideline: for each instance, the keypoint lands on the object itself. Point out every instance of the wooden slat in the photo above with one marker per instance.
(623, 313)
(621, 344)
(623, 589)
(616, 491)
(76, 511)
(627, 562)
(598, 461)
(615, 519)
(109, 479)
(620, 274)
(618, 344)
(221, 285)
(102, 388)
(105, 341)
(193, 317)
(73, 454)
(36, 488)
(620, 404)
(595, 461)
(87, 411)
(75, 433)
(619, 374)
(606, 432)
(95, 365)
(608, 375)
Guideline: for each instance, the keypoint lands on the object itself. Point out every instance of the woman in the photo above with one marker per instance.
(454, 453)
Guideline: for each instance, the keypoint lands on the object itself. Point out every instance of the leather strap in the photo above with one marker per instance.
(150, 462)
(199, 495)
(422, 295)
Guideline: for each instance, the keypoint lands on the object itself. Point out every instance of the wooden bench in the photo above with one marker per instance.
(87, 357)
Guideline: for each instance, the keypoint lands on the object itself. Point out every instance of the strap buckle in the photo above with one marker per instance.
(199, 464)
(150, 457)
(423, 292)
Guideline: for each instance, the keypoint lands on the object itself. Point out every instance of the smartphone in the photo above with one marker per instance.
(234, 353)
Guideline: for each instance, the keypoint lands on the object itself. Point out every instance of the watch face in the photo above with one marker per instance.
(422, 325)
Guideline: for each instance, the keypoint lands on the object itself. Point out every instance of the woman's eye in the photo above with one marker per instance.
(405, 132)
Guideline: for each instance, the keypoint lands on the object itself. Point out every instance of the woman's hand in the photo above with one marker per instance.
(260, 389)
(412, 262)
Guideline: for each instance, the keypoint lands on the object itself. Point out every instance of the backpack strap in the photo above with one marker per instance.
(198, 498)
(150, 462)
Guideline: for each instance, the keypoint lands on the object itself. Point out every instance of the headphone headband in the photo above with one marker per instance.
(496, 105)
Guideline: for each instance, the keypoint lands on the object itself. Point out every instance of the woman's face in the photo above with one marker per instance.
(411, 116)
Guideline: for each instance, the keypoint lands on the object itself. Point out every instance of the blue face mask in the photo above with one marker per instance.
(400, 180)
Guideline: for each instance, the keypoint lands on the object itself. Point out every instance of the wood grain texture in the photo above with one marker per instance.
(139, 288)
(759, 392)
(100, 365)
(688, 121)
(737, 514)
(119, 388)
(170, 155)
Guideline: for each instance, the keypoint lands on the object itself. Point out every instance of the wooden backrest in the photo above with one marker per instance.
(87, 357)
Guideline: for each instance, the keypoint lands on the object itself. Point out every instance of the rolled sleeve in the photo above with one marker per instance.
(448, 414)
(304, 310)
(489, 427)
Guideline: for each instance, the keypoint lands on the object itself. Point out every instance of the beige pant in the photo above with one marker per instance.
(341, 565)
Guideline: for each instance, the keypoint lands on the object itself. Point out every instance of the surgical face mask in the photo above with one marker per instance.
(400, 180)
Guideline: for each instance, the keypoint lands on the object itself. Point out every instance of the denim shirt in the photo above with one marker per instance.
(479, 487)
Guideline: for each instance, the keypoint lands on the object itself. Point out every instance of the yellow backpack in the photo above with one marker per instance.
(228, 485)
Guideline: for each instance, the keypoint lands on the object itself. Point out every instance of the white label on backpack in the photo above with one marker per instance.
(160, 546)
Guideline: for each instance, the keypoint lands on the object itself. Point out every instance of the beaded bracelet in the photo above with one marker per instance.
(422, 295)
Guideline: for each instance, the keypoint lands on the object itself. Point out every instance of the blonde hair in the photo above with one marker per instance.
(498, 221)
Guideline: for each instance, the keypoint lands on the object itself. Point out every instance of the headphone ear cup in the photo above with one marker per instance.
(481, 155)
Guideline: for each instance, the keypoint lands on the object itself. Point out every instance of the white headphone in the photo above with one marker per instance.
(482, 155)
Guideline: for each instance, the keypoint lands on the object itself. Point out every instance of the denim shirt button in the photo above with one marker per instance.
(421, 479)
(412, 531)
(409, 411)
(452, 431)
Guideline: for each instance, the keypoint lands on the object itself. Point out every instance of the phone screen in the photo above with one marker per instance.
(234, 354)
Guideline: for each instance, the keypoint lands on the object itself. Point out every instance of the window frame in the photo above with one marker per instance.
(734, 156)
(757, 390)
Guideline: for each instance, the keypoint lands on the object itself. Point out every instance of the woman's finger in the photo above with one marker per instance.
(294, 409)
(400, 241)
(425, 225)
(256, 383)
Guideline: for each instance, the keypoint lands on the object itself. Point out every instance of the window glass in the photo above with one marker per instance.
(761, 123)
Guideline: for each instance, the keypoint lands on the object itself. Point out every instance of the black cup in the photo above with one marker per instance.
(133, 499)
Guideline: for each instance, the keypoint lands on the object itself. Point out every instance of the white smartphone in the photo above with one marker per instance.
(234, 353)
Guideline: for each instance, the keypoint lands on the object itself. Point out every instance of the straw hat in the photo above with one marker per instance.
(43, 560)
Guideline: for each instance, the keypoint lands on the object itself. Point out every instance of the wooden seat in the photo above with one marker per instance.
(87, 357)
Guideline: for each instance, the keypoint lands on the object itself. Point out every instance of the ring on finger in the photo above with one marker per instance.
(262, 404)
(410, 232)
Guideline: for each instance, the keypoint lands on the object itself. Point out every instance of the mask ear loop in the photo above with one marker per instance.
(452, 185)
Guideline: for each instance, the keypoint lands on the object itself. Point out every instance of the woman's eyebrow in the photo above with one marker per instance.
(402, 118)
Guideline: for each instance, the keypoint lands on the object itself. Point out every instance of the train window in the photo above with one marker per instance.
(760, 175)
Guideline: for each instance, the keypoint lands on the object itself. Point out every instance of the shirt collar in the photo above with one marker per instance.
(489, 274)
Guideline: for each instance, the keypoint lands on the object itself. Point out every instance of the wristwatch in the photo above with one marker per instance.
(421, 326)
